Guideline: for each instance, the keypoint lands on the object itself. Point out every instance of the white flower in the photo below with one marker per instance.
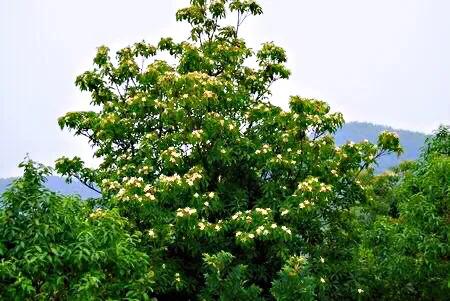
(201, 226)
(321, 259)
(196, 195)
(302, 205)
(251, 235)
(262, 211)
(208, 94)
(284, 212)
(259, 230)
(360, 291)
(151, 233)
(273, 226)
(211, 195)
(236, 215)
(322, 280)
(286, 229)
(150, 196)
(206, 204)
(238, 233)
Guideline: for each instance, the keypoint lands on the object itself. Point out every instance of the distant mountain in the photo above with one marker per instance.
(412, 142)
(352, 131)
(58, 184)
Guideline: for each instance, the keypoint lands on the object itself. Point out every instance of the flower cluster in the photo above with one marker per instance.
(183, 212)
(98, 213)
(265, 149)
(171, 155)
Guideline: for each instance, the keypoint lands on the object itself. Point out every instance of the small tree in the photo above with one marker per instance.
(59, 248)
(238, 198)
(404, 256)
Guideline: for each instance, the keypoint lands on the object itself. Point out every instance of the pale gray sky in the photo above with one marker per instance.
(383, 61)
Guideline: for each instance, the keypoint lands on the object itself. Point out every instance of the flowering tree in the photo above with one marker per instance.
(235, 198)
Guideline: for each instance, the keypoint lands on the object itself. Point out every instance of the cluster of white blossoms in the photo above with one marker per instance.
(284, 212)
(236, 215)
(305, 204)
(151, 136)
(191, 177)
(264, 149)
(209, 94)
(307, 185)
(134, 99)
(286, 229)
(110, 185)
(109, 118)
(148, 189)
(285, 137)
(126, 156)
(177, 277)
(279, 158)
(182, 212)
(325, 188)
(315, 119)
(244, 236)
(312, 183)
(172, 154)
(170, 179)
(263, 211)
(241, 216)
(151, 233)
(262, 106)
(204, 224)
(263, 230)
(98, 213)
(197, 134)
(159, 104)
(133, 182)
(145, 169)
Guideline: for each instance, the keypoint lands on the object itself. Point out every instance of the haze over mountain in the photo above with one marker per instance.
(412, 142)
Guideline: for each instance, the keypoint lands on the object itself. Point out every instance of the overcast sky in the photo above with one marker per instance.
(383, 61)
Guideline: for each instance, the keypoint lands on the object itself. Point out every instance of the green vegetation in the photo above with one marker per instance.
(210, 192)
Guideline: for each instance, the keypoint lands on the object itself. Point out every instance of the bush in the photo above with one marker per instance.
(58, 248)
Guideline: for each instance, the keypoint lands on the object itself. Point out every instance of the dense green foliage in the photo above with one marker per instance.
(405, 249)
(210, 192)
(54, 247)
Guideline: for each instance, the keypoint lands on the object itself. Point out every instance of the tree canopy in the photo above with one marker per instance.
(233, 193)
